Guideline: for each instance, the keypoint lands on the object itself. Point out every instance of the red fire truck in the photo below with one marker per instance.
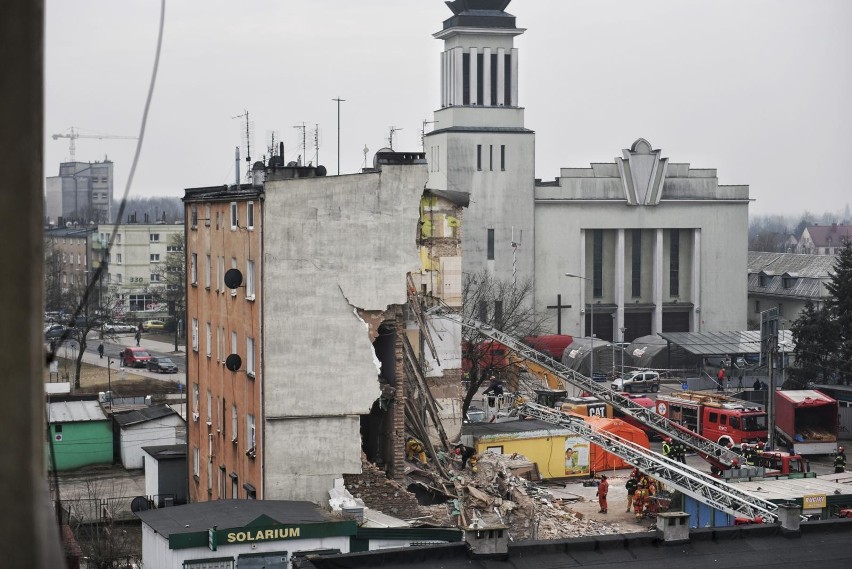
(715, 417)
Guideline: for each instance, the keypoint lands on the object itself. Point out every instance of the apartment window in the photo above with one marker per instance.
(220, 277)
(118, 258)
(155, 277)
(118, 238)
(234, 423)
(493, 79)
(209, 407)
(155, 237)
(193, 216)
(193, 269)
(674, 263)
(117, 278)
(207, 271)
(490, 245)
(235, 486)
(233, 342)
(195, 398)
(788, 281)
(79, 261)
(636, 265)
(507, 80)
(233, 266)
(491, 157)
(195, 334)
(479, 157)
(757, 307)
(250, 357)
(597, 263)
(480, 74)
(196, 461)
(503, 157)
(761, 279)
(209, 340)
(250, 431)
(222, 486)
(250, 280)
(250, 215)
(218, 344)
(209, 476)
(217, 220)
(155, 257)
(234, 218)
(780, 309)
(207, 215)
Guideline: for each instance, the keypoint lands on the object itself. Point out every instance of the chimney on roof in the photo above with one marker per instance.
(484, 540)
(673, 527)
(790, 517)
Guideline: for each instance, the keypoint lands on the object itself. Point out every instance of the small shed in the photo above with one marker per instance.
(556, 451)
(80, 434)
(155, 425)
(165, 474)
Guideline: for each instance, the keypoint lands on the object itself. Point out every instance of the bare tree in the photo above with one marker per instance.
(173, 280)
(95, 517)
(506, 307)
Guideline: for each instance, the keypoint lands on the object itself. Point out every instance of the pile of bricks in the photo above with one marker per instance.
(380, 493)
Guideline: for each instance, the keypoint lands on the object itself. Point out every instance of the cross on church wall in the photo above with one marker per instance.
(559, 308)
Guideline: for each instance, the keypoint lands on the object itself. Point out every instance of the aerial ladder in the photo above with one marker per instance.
(717, 455)
(687, 480)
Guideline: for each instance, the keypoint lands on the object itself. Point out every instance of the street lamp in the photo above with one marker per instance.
(592, 331)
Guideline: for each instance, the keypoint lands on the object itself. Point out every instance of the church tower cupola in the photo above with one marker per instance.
(479, 65)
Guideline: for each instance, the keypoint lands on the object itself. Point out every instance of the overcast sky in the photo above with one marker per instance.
(759, 89)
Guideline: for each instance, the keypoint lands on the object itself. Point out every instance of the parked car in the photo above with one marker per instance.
(118, 328)
(54, 331)
(475, 415)
(149, 325)
(639, 380)
(134, 357)
(161, 365)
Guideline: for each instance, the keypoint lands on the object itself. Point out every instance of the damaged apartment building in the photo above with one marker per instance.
(296, 291)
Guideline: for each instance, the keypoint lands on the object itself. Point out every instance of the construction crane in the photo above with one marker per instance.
(73, 135)
(717, 455)
(687, 480)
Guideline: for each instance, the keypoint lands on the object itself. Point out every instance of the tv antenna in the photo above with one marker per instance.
(273, 138)
(366, 151)
(249, 135)
(423, 133)
(393, 129)
(304, 141)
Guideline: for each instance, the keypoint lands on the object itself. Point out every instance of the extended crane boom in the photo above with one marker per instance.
(74, 135)
(687, 480)
(715, 454)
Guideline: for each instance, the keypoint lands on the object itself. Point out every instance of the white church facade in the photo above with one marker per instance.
(655, 245)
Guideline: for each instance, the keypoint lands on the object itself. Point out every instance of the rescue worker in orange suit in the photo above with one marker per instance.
(603, 489)
(640, 497)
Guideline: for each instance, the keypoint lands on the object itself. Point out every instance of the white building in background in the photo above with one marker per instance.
(662, 246)
(136, 263)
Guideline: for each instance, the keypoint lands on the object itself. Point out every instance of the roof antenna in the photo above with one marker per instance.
(248, 137)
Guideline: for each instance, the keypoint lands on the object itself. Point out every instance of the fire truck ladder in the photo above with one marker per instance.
(687, 480)
(719, 456)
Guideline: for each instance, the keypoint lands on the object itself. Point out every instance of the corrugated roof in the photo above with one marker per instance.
(75, 411)
(812, 266)
(721, 343)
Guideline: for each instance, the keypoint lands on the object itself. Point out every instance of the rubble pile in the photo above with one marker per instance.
(493, 494)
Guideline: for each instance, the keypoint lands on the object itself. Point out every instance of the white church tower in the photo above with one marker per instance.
(479, 144)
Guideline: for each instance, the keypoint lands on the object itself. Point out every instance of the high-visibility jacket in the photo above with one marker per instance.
(667, 449)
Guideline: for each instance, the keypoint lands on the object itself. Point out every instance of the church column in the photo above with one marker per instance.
(582, 284)
(618, 291)
(473, 76)
(486, 76)
(514, 79)
(657, 322)
(696, 280)
(443, 79)
(458, 79)
(501, 76)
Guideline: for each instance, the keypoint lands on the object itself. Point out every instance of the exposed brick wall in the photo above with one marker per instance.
(380, 493)
(397, 408)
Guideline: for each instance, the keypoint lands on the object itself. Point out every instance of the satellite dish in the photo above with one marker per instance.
(233, 362)
(233, 278)
(139, 504)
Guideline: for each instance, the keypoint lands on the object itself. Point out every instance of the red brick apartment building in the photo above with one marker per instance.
(316, 323)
